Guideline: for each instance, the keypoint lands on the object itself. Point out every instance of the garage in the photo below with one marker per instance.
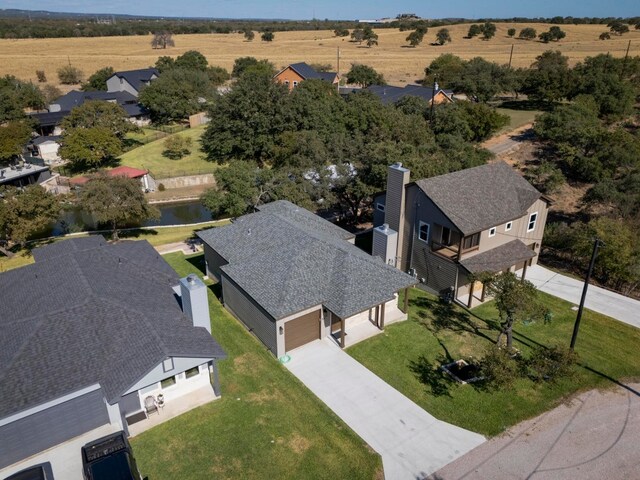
(302, 330)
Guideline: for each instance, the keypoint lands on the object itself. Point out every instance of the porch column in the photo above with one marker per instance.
(342, 332)
(470, 294)
(484, 291)
(377, 316)
(460, 248)
(381, 326)
(216, 379)
(406, 300)
(524, 270)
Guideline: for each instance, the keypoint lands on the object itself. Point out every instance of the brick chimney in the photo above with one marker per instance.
(394, 210)
(195, 303)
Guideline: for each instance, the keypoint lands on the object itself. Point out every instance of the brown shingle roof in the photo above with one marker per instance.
(481, 197)
(499, 258)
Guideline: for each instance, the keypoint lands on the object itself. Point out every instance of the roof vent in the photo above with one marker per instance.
(191, 279)
(397, 164)
(248, 231)
(385, 227)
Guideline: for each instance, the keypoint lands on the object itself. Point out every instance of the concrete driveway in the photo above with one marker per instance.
(598, 299)
(412, 443)
(592, 437)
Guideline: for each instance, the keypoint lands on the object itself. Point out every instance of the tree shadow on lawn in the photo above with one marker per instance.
(430, 374)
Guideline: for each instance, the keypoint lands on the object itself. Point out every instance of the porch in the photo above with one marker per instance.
(174, 407)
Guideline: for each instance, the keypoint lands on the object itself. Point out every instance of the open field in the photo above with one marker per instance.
(406, 353)
(397, 62)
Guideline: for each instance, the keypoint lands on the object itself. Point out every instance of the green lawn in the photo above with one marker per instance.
(266, 425)
(518, 118)
(144, 135)
(406, 354)
(149, 156)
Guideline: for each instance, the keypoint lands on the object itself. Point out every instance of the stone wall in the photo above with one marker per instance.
(187, 181)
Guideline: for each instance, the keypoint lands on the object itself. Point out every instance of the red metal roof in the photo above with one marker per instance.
(122, 171)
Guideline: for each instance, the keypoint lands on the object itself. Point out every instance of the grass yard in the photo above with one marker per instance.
(149, 156)
(392, 57)
(406, 353)
(266, 425)
(144, 135)
(518, 118)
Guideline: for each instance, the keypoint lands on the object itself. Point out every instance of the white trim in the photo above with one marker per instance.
(49, 404)
(508, 226)
(420, 225)
(535, 221)
(492, 231)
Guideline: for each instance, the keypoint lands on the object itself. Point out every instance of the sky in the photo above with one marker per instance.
(339, 9)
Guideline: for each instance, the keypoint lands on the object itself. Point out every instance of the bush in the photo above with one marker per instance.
(552, 363)
(511, 32)
(42, 77)
(546, 177)
(176, 147)
(498, 368)
(70, 75)
(161, 187)
(267, 37)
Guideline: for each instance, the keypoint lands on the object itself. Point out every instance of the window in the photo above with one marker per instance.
(192, 372)
(508, 226)
(532, 222)
(295, 83)
(168, 382)
(286, 82)
(380, 206)
(471, 241)
(492, 231)
(167, 365)
(423, 232)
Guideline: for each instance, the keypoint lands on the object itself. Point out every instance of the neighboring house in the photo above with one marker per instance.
(147, 182)
(131, 81)
(89, 332)
(390, 95)
(29, 171)
(296, 73)
(292, 277)
(446, 229)
(45, 148)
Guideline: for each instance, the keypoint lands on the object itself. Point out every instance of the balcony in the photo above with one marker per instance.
(447, 251)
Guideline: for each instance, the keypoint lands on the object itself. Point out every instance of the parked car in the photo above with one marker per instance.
(37, 472)
(109, 458)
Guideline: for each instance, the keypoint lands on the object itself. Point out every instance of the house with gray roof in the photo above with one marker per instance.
(389, 95)
(131, 81)
(112, 335)
(447, 229)
(292, 75)
(292, 277)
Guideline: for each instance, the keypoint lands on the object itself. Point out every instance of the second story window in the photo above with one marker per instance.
(471, 241)
(532, 222)
(492, 232)
(295, 84)
(380, 206)
(423, 232)
(508, 226)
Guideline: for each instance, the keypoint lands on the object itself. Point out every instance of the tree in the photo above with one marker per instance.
(341, 32)
(217, 75)
(488, 30)
(370, 36)
(98, 81)
(165, 63)
(443, 36)
(480, 80)
(515, 300)
(162, 40)
(13, 137)
(415, 38)
(16, 96)
(511, 32)
(98, 113)
(23, 212)
(357, 35)
(116, 201)
(191, 60)
(50, 93)
(527, 33)
(545, 37)
(474, 122)
(364, 76)
(176, 94)
(267, 37)
(605, 36)
(89, 147)
(549, 79)
(70, 75)
(243, 64)
(474, 31)
(177, 146)
(447, 68)
(249, 35)
(557, 33)
(618, 27)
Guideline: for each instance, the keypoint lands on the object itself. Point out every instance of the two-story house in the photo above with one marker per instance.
(294, 74)
(446, 230)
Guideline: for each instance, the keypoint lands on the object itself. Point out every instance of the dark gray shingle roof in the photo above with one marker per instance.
(482, 197)
(288, 259)
(307, 72)
(138, 78)
(499, 258)
(389, 94)
(103, 315)
(76, 98)
(53, 250)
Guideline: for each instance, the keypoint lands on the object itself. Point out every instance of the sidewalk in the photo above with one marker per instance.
(614, 305)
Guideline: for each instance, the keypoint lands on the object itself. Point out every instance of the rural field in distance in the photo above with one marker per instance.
(398, 62)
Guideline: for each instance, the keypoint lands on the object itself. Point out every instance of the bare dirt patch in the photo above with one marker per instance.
(298, 443)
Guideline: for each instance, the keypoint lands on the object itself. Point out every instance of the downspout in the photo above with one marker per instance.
(413, 233)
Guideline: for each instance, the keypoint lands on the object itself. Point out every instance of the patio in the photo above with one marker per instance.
(366, 328)
(174, 408)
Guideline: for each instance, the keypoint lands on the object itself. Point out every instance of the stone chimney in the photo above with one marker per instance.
(394, 210)
(385, 244)
(195, 303)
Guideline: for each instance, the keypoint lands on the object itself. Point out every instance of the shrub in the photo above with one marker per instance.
(552, 363)
(546, 177)
(70, 75)
(267, 37)
(511, 32)
(498, 368)
(42, 77)
(176, 147)
(161, 187)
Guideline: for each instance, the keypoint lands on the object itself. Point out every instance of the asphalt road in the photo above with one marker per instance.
(594, 436)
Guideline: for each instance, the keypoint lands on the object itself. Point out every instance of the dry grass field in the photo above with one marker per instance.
(399, 63)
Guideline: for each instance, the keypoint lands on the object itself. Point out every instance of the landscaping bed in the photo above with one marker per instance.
(408, 355)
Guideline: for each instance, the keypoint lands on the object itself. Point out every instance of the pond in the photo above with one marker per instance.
(179, 213)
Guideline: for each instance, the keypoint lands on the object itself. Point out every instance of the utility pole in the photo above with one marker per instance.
(433, 97)
(338, 72)
(626, 56)
(510, 56)
(597, 243)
